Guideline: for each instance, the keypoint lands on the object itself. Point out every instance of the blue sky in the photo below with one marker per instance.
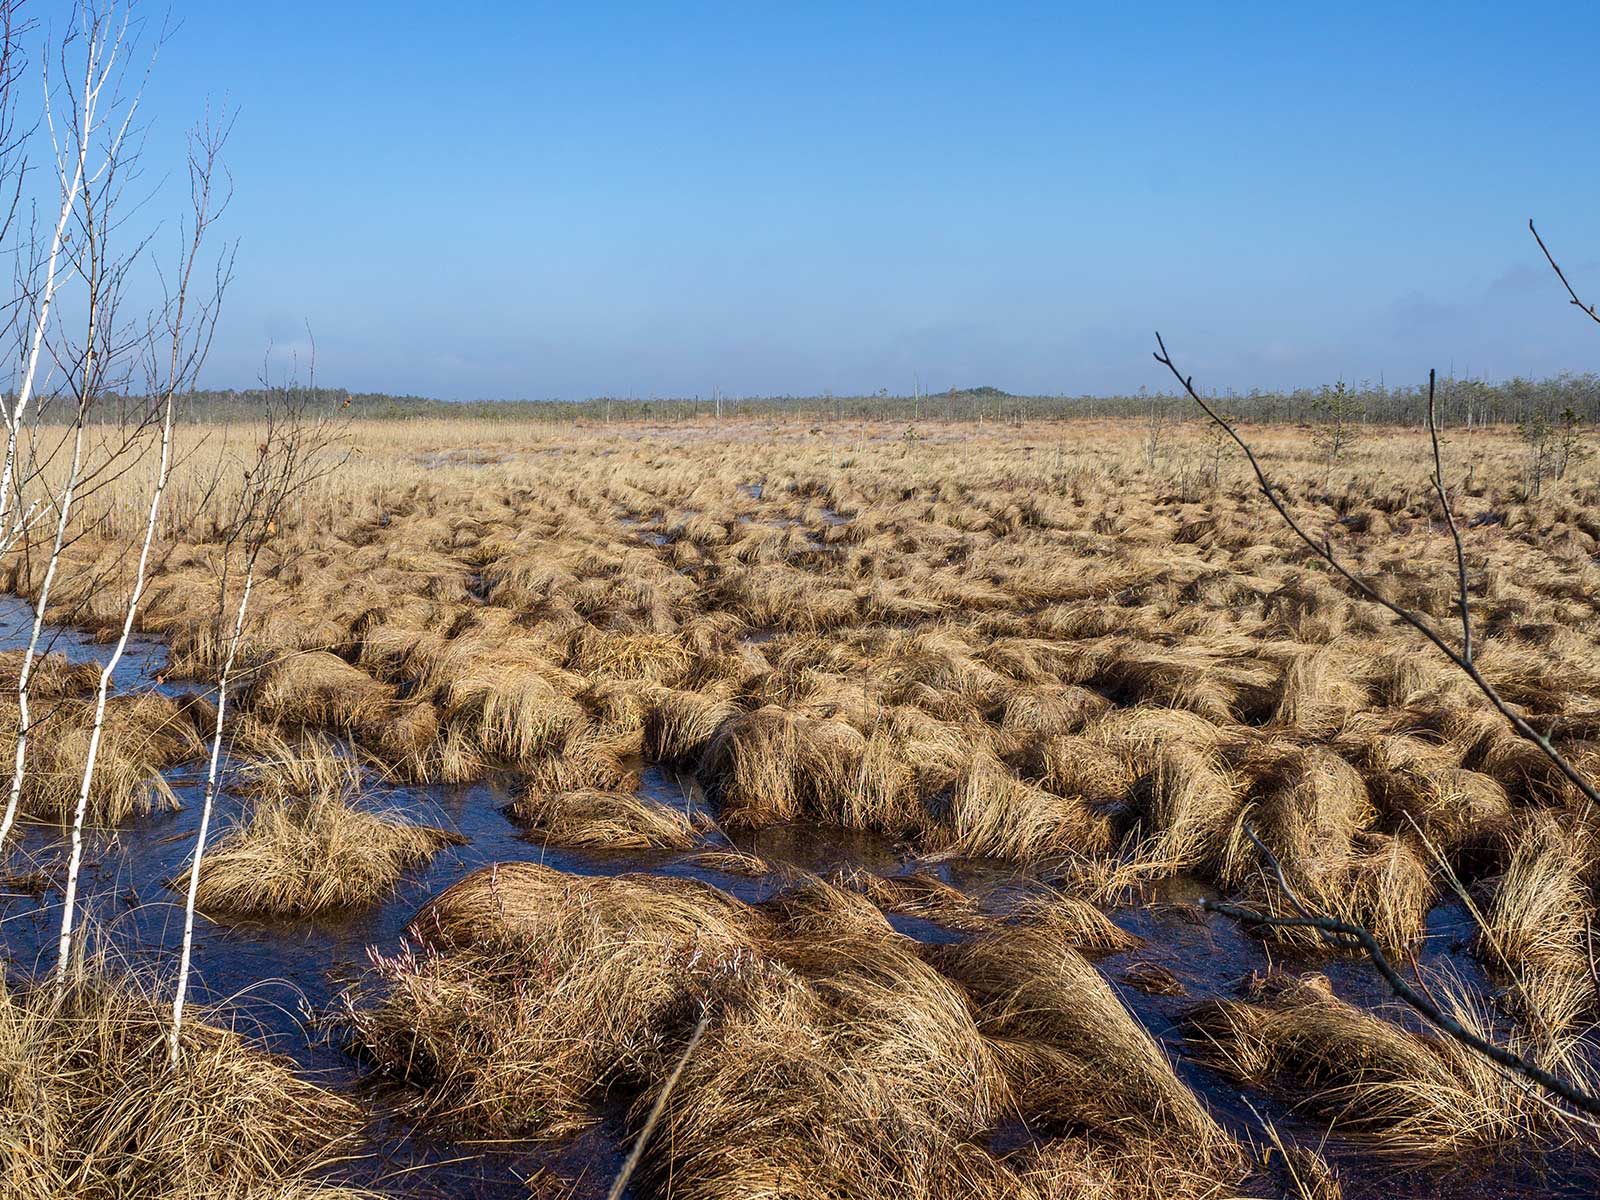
(526, 200)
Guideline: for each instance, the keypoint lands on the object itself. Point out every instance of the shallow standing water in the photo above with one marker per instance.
(281, 977)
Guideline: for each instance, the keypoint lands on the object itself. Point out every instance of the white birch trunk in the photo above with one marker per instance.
(75, 861)
(41, 318)
(96, 75)
(30, 655)
(213, 773)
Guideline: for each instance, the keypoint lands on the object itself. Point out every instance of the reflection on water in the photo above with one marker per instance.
(142, 661)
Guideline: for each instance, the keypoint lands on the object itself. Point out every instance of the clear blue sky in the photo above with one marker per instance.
(528, 200)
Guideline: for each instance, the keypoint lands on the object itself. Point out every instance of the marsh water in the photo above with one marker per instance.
(282, 979)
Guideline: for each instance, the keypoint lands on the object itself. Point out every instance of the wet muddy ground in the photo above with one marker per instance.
(283, 979)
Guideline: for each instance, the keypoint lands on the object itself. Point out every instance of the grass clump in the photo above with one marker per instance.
(1070, 1046)
(849, 1070)
(834, 1060)
(1409, 1092)
(612, 820)
(994, 815)
(919, 894)
(144, 734)
(769, 766)
(1539, 924)
(527, 993)
(52, 677)
(316, 688)
(90, 1108)
(304, 847)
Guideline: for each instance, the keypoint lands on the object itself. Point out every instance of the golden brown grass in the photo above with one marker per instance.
(1411, 1093)
(1068, 1043)
(916, 895)
(318, 689)
(834, 1061)
(293, 857)
(90, 1108)
(530, 992)
(1019, 643)
(144, 734)
(846, 1074)
(588, 817)
(53, 676)
(1539, 927)
(303, 846)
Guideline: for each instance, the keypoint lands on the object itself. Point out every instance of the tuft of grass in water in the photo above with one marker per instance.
(614, 820)
(294, 858)
(53, 676)
(915, 895)
(1540, 922)
(283, 766)
(729, 862)
(1407, 1092)
(315, 688)
(91, 1109)
(303, 847)
(1069, 1044)
(832, 1058)
(846, 1068)
(144, 734)
(527, 992)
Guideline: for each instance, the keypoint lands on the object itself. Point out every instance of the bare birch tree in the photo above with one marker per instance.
(300, 446)
(77, 166)
(181, 335)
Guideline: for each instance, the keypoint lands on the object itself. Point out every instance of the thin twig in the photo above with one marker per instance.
(1588, 944)
(1463, 659)
(1561, 275)
(1356, 935)
(1277, 869)
(1450, 523)
(1436, 1016)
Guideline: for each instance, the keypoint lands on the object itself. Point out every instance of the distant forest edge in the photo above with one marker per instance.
(1460, 403)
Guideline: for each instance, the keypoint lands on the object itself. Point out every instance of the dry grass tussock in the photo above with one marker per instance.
(835, 1059)
(91, 1110)
(1068, 1043)
(1411, 1093)
(617, 820)
(529, 991)
(919, 894)
(144, 734)
(304, 846)
(1540, 925)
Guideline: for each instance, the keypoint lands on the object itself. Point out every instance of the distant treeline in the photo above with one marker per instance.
(1460, 402)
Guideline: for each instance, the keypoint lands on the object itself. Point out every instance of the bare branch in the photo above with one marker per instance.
(1462, 600)
(619, 1185)
(1323, 550)
(300, 447)
(1561, 275)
